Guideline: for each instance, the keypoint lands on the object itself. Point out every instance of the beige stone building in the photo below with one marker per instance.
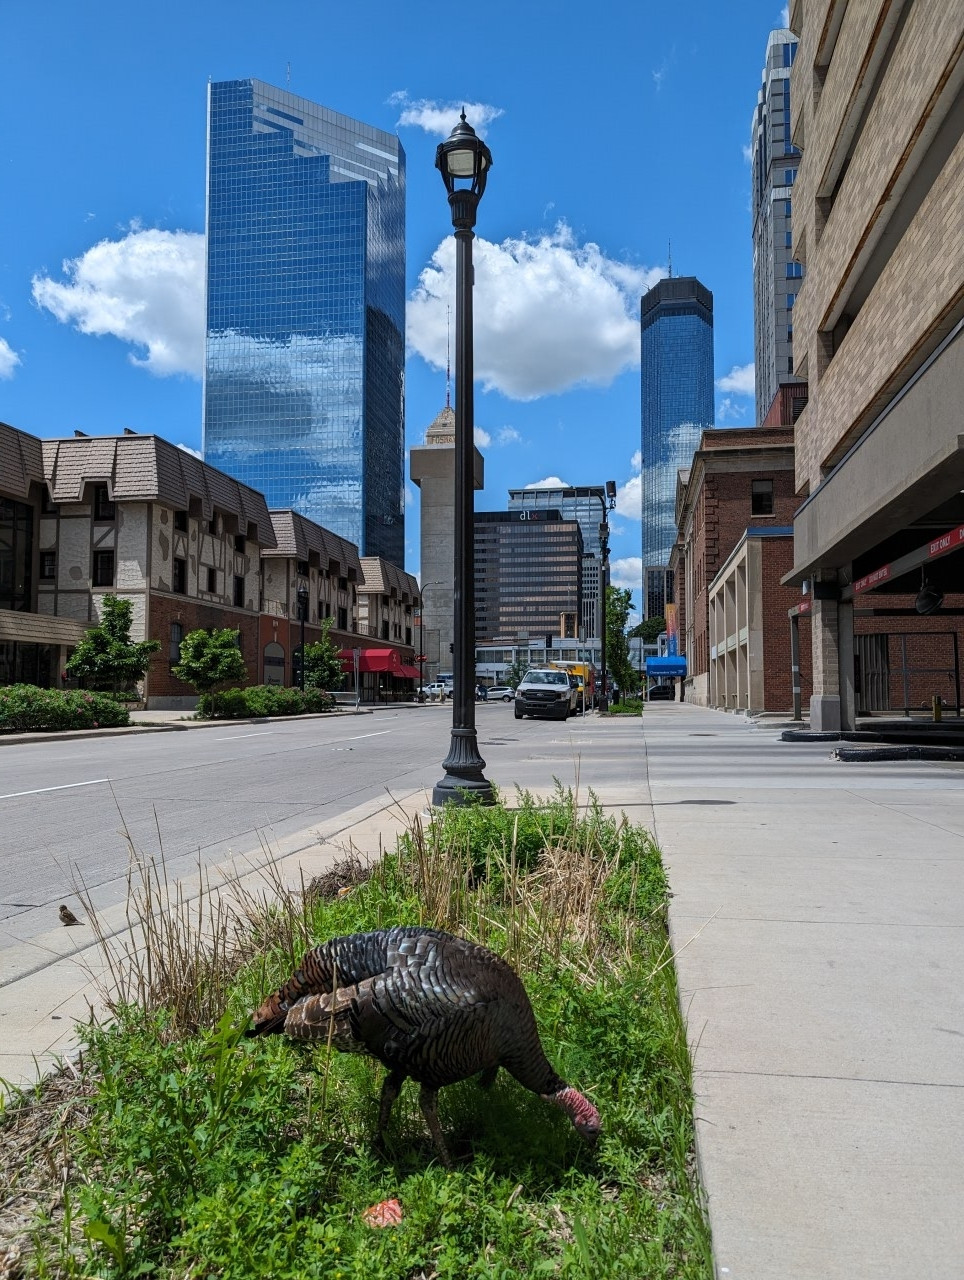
(878, 220)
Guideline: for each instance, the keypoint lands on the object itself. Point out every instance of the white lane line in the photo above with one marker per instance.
(379, 734)
(236, 737)
(66, 786)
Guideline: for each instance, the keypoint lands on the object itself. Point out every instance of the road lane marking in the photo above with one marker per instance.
(379, 734)
(12, 795)
(236, 737)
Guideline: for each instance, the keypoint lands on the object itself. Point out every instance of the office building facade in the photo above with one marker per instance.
(526, 573)
(304, 354)
(587, 506)
(677, 406)
(776, 273)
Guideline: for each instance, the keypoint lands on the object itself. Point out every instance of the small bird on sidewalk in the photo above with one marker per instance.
(67, 916)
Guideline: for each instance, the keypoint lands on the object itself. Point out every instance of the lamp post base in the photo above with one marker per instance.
(464, 782)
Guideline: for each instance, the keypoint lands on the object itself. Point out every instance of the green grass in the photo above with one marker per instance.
(194, 1153)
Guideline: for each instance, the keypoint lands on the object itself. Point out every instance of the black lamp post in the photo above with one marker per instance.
(603, 702)
(464, 162)
(302, 614)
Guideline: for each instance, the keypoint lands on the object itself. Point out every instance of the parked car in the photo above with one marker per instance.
(661, 693)
(437, 690)
(546, 692)
(503, 692)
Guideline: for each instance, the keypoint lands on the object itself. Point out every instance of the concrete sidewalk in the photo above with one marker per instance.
(818, 925)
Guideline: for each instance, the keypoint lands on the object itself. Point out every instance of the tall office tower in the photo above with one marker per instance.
(526, 573)
(776, 276)
(432, 468)
(587, 506)
(677, 405)
(305, 345)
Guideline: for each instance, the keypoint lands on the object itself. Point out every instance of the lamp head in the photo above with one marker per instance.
(464, 162)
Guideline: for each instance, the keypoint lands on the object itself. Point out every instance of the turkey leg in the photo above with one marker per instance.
(390, 1091)
(428, 1098)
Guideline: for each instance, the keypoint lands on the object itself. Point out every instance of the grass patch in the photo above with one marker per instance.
(185, 1151)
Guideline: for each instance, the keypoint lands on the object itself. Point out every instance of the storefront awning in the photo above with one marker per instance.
(387, 660)
(668, 666)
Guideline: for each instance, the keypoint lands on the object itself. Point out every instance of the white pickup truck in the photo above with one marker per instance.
(437, 690)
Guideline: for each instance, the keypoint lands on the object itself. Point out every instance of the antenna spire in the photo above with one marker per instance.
(669, 253)
(448, 357)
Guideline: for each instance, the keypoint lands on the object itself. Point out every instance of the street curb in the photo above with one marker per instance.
(177, 726)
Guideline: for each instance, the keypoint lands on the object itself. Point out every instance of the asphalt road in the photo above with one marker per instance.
(67, 808)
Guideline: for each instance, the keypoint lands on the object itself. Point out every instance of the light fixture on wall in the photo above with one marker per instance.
(929, 598)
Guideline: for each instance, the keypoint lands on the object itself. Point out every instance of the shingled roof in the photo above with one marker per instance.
(21, 461)
(150, 469)
(296, 536)
(383, 576)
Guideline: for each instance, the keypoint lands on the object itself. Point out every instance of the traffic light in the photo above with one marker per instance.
(451, 648)
(548, 640)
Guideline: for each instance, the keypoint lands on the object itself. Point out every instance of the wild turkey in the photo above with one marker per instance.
(426, 1005)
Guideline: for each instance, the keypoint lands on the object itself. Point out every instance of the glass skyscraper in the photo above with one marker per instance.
(677, 403)
(305, 342)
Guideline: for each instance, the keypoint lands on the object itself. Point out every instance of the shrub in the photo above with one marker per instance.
(210, 658)
(262, 700)
(107, 658)
(25, 708)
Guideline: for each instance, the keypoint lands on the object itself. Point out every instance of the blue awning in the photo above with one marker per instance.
(668, 666)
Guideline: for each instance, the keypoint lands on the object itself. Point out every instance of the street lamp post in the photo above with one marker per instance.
(603, 702)
(302, 614)
(464, 162)
(422, 656)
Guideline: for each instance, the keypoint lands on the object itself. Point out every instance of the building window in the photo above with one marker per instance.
(342, 584)
(47, 505)
(302, 567)
(103, 569)
(103, 507)
(761, 498)
(790, 298)
(177, 635)
(342, 618)
(213, 525)
(180, 521)
(240, 543)
(789, 177)
(179, 576)
(212, 580)
(794, 270)
(48, 565)
(239, 590)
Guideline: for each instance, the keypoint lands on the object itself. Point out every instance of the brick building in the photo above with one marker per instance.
(740, 484)
(878, 113)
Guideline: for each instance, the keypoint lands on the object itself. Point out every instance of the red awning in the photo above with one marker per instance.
(372, 660)
(410, 673)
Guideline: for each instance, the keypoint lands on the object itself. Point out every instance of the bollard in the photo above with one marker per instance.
(936, 707)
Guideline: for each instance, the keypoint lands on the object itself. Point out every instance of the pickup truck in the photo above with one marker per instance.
(437, 690)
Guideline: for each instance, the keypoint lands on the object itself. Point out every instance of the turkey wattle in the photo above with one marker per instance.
(426, 1005)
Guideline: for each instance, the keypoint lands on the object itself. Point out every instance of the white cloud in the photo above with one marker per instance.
(441, 117)
(146, 289)
(550, 482)
(505, 435)
(636, 461)
(785, 16)
(8, 359)
(627, 572)
(481, 437)
(550, 314)
(730, 410)
(409, 496)
(629, 498)
(508, 435)
(747, 153)
(195, 453)
(739, 380)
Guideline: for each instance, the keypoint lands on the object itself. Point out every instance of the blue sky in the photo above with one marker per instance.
(615, 129)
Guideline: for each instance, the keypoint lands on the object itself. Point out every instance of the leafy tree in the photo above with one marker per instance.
(107, 659)
(650, 630)
(322, 664)
(618, 604)
(515, 673)
(209, 659)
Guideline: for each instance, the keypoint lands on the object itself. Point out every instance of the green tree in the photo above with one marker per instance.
(515, 673)
(618, 604)
(209, 659)
(650, 630)
(322, 664)
(107, 659)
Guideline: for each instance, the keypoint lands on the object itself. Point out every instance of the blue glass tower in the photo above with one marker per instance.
(305, 346)
(677, 405)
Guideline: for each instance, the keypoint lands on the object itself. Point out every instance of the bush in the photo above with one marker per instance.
(262, 700)
(25, 708)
